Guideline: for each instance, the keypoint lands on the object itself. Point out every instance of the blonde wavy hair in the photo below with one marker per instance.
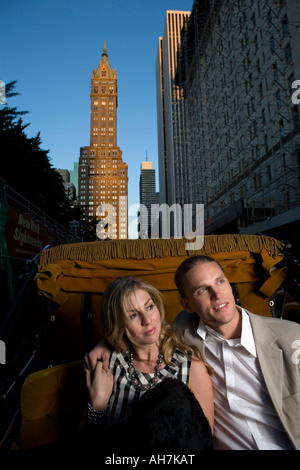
(113, 318)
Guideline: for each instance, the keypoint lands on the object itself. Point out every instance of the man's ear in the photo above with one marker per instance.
(186, 306)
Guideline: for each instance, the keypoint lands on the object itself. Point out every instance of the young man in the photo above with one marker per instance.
(257, 380)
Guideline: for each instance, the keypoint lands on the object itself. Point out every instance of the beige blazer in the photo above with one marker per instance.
(276, 344)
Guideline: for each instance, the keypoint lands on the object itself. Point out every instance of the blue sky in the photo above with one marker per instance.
(51, 47)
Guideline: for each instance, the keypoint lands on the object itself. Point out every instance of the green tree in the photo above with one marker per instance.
(88, 229)
(26, 167)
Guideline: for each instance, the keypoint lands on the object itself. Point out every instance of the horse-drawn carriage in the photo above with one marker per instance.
(57, 319)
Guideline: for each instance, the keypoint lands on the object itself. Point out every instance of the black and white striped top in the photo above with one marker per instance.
(124, 392)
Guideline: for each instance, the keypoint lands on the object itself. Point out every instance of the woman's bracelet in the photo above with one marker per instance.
(96, 416)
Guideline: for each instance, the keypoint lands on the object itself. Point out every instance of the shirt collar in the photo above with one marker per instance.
(246, 340)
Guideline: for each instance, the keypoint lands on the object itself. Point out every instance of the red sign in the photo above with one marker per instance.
(26, 237)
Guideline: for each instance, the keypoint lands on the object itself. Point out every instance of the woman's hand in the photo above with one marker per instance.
(99, 353)
(99, 385)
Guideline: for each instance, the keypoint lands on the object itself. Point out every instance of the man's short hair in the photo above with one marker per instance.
(187, 265)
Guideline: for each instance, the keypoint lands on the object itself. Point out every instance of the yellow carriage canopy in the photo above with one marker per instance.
(75, 276)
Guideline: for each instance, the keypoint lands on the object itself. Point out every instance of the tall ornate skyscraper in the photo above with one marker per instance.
(103, 180)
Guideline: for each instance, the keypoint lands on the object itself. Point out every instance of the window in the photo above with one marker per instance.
(278, 99)
(269, 173)
(285, 25)
(281, 127)
(295, 117)
(288, 54)
(266, 143)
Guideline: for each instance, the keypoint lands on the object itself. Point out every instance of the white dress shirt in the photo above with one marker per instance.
(245, 418)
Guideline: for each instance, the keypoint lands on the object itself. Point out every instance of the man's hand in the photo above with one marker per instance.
(100, 352)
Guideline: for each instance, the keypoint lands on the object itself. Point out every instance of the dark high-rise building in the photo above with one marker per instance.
(147, 198)
(170, 112)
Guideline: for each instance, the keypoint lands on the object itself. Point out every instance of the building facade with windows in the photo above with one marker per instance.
(238, 62)
(74, 176)
(102, 174)
(69, 186)
(170, 111)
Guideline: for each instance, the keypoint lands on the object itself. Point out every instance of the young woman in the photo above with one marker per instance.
(145, 352)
